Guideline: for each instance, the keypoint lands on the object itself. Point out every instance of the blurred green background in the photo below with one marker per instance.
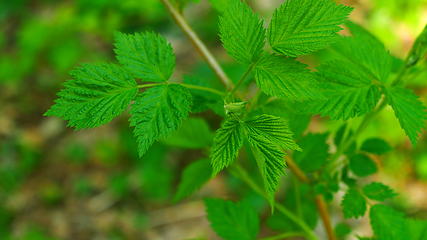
(56, 183)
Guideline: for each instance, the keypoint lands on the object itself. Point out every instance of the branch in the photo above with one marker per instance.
(199, 45)
(320, 203)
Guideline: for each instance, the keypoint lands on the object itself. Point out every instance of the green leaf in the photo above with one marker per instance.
(314, 153)
(242, 32)
(298, 122)
(376, 146)
(193, 178)
(273, 128)
(378, 191)
(409, 110)
(285, 77)
(97, 94)
(364, 53)
(362, 165)
(232, 221)
(146, 55)
(269, 136)
(299, 27)
(342, 230)
(227, 142)
(353, 204)
(157, 112)
(389, 224)
(419, 49)
(348, 92)
(193, 133)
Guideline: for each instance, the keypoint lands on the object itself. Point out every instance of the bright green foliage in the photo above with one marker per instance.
(97, 94)
(232, 221)
(219, 5)
(299, 200)
(342, 230)
(364, 53)
(348, 91)
(284, 77)
(375, 146)
(389, 224)
(227, 142)
(273, 128)
(269, 136)
(353, 204)
(314, 153)
(193, 133)
(297, 121)
(378, 191)
(193, 177)
(242, 32)
(419, 50)
(362, 165)
(300, 27)
(147, 56)
(409, 110)
(157, 112)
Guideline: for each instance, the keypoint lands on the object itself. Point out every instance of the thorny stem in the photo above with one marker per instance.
(240, 173)
(198, 44)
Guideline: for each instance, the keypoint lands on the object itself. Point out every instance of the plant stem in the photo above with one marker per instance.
(243, 78)
(284, 235)
(207, 89)
(324, 215)
(149, 85)
(320, 203)
(198, 44)
(244, 176)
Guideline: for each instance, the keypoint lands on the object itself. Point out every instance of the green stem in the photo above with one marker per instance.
(244, 176)
(284, 235)
(242, 79)
(206, 89)
(149, 85)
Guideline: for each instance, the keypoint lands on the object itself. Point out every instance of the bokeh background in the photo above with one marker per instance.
(57, 183)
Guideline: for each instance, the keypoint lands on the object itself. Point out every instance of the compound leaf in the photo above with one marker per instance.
(300, 27)
(242, 32)
(353, 204)
(97, 94)
(285, 77)
(157, 112)
(409, 110)
(378, 191)
(227, 142)
(147, 56)
(232, 221)
(193, 178)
